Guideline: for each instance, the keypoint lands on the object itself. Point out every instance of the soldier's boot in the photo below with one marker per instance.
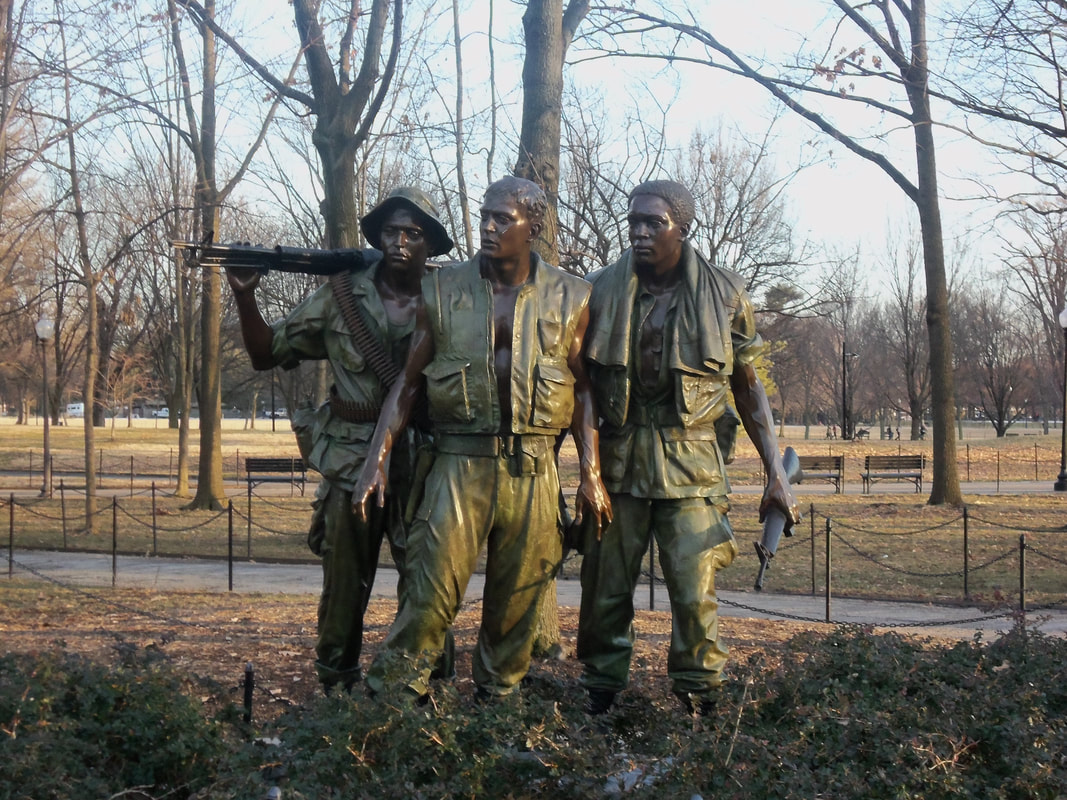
(599, 702)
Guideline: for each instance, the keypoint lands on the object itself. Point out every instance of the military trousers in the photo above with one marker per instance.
(350, 550)
(483, 492)
(695, 541)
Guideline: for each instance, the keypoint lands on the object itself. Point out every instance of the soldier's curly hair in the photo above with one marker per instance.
(527, 195)
(678, 197)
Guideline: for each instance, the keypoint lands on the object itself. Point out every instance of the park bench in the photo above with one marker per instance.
(824, 468)
(893, 468)
(276, 470)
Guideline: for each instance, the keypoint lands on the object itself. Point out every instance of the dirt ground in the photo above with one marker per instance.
(216, 635)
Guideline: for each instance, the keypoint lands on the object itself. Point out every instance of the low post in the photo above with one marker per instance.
(229, 555)
(811, 520)
(63, 510)
(155, 524)
(828, 524)
(114, 539)
(1035, 461)
(1022, 575)
(652, 573)
(966, 555)
(998, 472)
(968, 463)
(11, 537)
(131, 476)
(31, 466)
(249, 518)
(237, 468)
(250, 683)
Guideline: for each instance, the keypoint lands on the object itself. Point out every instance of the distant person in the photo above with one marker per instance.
(671, 338)
(922, 432)
(384, 285)
(898, 434)
(497, 354)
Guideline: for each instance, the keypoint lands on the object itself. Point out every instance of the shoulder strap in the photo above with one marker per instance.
(371, 347)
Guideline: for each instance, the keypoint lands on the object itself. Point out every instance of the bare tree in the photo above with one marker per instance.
(998, 356)
(548, 31)
(1009, 76)
(904, 336)
(742, 211)
(598, 173)
(1036, 265)
(897, 34)
(803, 352)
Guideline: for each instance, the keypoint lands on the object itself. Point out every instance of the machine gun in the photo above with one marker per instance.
(776, 522)
(281, 259)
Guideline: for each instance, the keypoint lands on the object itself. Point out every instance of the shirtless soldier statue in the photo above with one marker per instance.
(669, 337)
(497, 352)
(405, 228)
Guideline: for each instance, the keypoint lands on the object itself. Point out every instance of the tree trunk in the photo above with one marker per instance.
(210, 491)
(945, 486)
(548, 32)
(461, 180)
(91, 320)
(542, 110)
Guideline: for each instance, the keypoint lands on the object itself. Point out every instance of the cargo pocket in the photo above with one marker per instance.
(692, 461)
(615, 459)
(447, 390)
(553, 404)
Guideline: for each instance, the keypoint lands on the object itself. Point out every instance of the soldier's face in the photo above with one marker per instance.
(655, 236)
(505, 230)
(403, 240)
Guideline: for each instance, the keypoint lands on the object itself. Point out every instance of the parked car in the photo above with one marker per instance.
(161, 412)
(76, 410)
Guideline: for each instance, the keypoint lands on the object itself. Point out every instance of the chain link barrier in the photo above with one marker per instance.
(33, 507)
(1027, 529)
(260, 526)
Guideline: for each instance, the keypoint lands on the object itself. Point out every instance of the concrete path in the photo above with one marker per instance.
(191, 574)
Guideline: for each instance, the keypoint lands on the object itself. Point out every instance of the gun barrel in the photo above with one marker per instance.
(279, 258)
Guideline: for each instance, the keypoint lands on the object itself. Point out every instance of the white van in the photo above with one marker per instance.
(76, 409)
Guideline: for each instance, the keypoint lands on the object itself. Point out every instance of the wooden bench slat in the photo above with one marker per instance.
(893, 467)
(828, 468)
(274, 469)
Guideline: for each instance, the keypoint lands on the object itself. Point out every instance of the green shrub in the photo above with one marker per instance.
(73, 728)
(842, 713)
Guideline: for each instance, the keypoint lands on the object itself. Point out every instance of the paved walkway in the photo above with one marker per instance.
(24, 487)
(190, 574)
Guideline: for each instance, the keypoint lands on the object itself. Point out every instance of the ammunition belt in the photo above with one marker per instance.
(384, 367)
(351, 411)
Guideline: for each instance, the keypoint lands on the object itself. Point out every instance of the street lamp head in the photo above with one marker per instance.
(1063, 318)
(46, 329)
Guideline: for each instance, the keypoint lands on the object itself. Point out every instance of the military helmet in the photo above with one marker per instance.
(420, 204)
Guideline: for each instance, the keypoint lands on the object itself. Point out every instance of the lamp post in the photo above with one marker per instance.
(46, 329)
(1061, 481)
(846, 412)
